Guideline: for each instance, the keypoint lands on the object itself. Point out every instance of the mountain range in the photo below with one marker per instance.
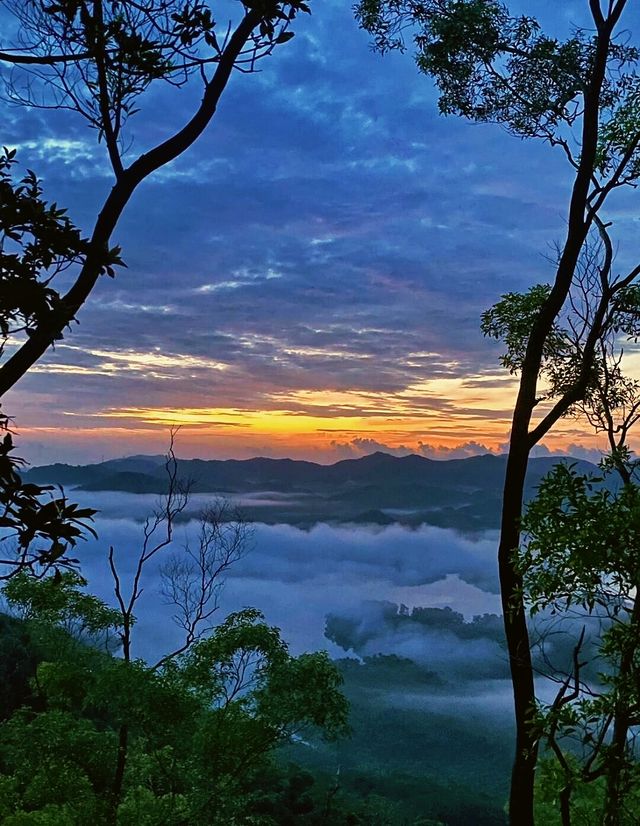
(464, 494)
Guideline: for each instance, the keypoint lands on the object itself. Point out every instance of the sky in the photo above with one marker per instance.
(308, 279)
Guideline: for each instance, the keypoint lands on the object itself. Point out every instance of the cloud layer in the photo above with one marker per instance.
(298, 577)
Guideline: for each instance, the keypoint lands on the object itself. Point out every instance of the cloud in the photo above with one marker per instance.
(349, 244)
(436, 638)
(577, 451)
(461, 451)
(297, 576)
(359, 446)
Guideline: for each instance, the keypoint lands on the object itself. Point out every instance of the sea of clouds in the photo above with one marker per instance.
(298, 577)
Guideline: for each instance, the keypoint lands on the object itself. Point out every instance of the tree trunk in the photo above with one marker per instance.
(616, 754)
(517, 635)
(123, 732)
(118, 778)
(580, 219)
(565, 805)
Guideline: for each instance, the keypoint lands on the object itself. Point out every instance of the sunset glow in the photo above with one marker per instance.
(315, 425)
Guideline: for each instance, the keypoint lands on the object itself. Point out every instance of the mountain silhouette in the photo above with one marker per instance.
(379, 488)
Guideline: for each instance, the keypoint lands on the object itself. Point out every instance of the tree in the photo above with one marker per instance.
(98, 58)
(200, 725)
(191, 580)
(579, 95)
(580, 559)
(199, 728)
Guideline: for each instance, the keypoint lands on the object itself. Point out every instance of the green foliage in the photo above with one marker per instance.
(490, 65)
(310, 682)
(57, 759)
(617, 134)
(18, 663)
(583, 541)
(586, 801)
(582, 558)
(607, 390)
(627, 312)
(198, 729)
(61, 601)
(511, 320)
(43, 528)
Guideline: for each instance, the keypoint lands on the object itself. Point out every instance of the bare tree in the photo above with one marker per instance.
(158, 533)
(191, 579)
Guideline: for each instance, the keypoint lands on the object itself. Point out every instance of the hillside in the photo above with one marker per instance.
(460, 493)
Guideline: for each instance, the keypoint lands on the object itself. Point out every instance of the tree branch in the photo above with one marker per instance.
(41, 339)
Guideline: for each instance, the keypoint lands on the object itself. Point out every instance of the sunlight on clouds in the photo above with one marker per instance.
(242, 277)
(115, 361)
(357, 402)
(468, 391)
(326, 427)
(631, 361)
(140, 361)
(74, 369)
(127, 306)
(442, 410)
(236, 432)
(312, 416)
(326, 352)
(445, 410)
(421, 399)
(282, 348)
(221, 285)
(260, 422)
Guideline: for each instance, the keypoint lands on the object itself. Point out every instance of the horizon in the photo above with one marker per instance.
(589, 456)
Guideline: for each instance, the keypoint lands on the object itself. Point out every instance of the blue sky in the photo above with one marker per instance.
(308, 279)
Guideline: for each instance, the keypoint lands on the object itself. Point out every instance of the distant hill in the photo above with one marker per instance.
(380, 488)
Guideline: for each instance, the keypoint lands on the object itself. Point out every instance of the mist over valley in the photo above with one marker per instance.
(387, 563)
